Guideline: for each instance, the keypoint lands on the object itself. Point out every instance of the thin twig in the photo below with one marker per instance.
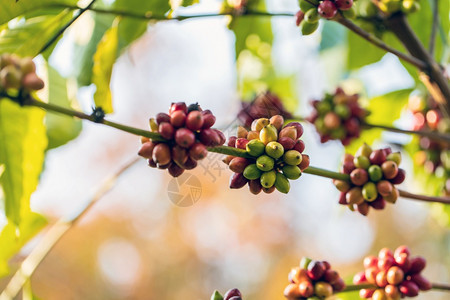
(430, 134)
(379, 43)
(54, 234)
(64, 28)
(440, 286)
(357, 287)
(434, 27)
(405, 194)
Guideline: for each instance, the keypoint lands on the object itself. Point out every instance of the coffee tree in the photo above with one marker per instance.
(266, 150)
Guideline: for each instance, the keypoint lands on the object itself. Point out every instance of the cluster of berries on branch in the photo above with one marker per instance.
(311, 10)
(18, 74)
(395, 275)
(187, 132)
(433, 155)
(389, 7)
(338, 117)
(313, 280)
(233, 294)
(373, 174)
(274, 155)
(264, 105)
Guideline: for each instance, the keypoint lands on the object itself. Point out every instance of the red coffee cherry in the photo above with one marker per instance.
(343, 4)
(179, 106)
(184, 137)
(194, 120)
(327, 9)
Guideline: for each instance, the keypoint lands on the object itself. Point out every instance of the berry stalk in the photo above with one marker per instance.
(405, 194)
(326, 173)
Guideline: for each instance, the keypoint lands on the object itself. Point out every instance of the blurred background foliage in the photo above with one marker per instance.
(135, 244)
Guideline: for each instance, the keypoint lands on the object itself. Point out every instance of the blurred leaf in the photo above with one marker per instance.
(367, 136)
(22, 147)
(395, 101)
(60, 129)
(11, 243)
(10, 9)
(104, 60)
(28, 38)
(333, 34)
(189, 2)
(129, 30)
(216, 296)
(361, 52)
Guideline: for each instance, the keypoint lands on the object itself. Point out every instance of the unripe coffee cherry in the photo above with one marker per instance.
(242, 132)
(277, 121)
(304, 262)
(371, 274)
(331, 119)
(194, 120)
(274, 149)
(268, 179)
(292, 291)
(369, 191)
(361, 161)
(289, 132)
(292, 172)
(375, 173)
(265, 163)
(392, 292)
(30, 81)
(255, 148)
(323, 289)
(146, 150)
(385, 188)
(381, 279)
(305, 162)
(292, 157)
(298, 127)
(327, 9)
(379, 295)
(354, 196)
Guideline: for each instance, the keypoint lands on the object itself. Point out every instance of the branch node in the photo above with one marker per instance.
(98, 115)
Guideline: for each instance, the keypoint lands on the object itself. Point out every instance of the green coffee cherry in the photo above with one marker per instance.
(305, 5)
(369, 191)
(312, 15)
(323, 107)
(320, 125)
(274, 149)
(292, 172)
(282, 183)
(252, 172)
(364, 150)
(338, 133)
(304, 262)
(292, 157)
(375, 173)
(308, 28)
(349, 13)
(268, 134)
(395, 157)
(268, 179)
(342, 111)
(265, 163)
(362, 162)
(255, 148)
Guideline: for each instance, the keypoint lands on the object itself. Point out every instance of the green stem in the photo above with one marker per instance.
(430, 134)
(357, 287)
(230, 151)
(325, 173)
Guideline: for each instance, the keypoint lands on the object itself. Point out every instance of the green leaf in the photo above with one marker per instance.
(189, 2)
(333, 34)
(361, 52)
(104, 60)
(28, 38)
(22, 145)
(11, 243)
(60, 129)
(395, 101)
(216, 296)
(10, 9)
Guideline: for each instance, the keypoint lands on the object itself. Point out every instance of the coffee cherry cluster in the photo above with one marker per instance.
(275, 155)
(396, 275)
(338, 117)
(389, 7)
(18, 74)
(263, 106)
(187, 132)
(313, 280)
(233, 294)
(373, 175)
(311, 11)
(433, 155)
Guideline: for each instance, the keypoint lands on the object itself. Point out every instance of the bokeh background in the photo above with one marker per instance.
(136, 244)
